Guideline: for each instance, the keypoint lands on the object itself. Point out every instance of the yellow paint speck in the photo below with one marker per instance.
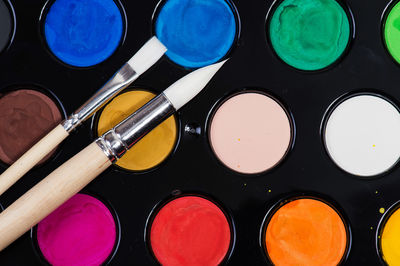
(371, 228)
(382, 210)
(245, 184)
(374, 145)
(376, 192)
(238, 139)
(269, 190)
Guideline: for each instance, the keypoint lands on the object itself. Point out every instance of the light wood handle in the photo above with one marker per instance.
(51, 192)
(32, 157)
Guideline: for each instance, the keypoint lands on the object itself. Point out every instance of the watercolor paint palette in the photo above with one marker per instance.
(294, 141)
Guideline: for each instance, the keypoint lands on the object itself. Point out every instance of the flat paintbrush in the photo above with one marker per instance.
(147, 56)
(80, 170)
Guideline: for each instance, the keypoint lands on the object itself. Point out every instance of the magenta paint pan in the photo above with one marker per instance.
(82, 231)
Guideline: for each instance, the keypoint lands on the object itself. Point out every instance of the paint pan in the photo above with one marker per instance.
(27, 113)
(361, 134)
(250, 132)
(391, 30)
(155, 147)
(82, 231)
(7, 24)
(189, 230)
(388, 236)
(197, 33)
(83, 33)
(305, 231)
(309, 35)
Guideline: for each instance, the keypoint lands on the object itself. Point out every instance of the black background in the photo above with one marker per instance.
(193, 167)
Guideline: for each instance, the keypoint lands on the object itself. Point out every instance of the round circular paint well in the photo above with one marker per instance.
(83, 33)
(392, 32)
(250, 132)
(26, 116)
(82, 231)
(361, 135)
(389, 240)
(190, 230)
(6, 24)
(196, 32)
(309, 34)
(305, 231)
(152, 149)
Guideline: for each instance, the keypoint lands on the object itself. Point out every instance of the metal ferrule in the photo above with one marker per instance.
(125, 76)
(117, 141)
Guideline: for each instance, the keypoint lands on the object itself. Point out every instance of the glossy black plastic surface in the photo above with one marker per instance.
(193, 167)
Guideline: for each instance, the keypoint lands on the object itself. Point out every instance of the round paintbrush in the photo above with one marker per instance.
(147, 56)
(80, 170)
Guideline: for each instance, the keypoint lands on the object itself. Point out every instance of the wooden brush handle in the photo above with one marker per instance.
(32, 157)
(51, 192)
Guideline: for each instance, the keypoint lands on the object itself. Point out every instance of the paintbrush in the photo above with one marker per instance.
(80, 170)
(146, 57)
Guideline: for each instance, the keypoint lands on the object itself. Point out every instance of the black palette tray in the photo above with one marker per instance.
(193, 167)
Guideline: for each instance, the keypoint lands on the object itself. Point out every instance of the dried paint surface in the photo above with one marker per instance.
(306, 232)
(361, 135)
(81, 232)
(390, 240)
(190, 231)
(196, 32)
(250, 133)
(25, 117)
(83, 33)
(309, 34)
(392, 32)
(153, 148)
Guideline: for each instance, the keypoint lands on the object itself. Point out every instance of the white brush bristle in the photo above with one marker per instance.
(185, 89)
(147, 56)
